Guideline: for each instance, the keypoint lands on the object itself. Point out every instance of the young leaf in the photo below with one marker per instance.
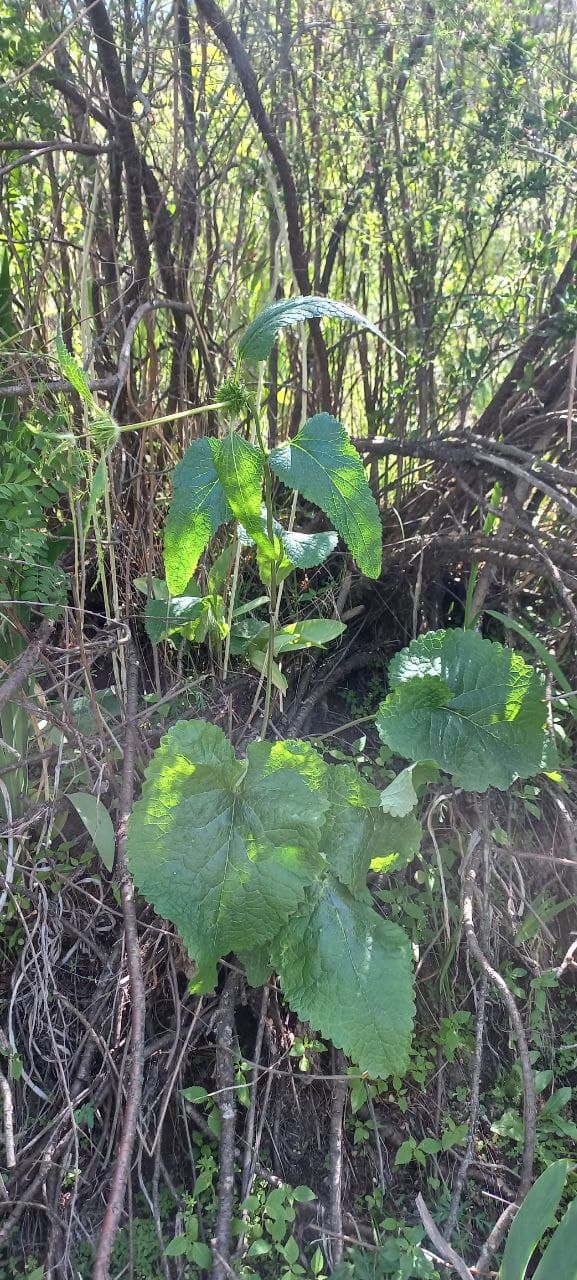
(313, 633)
(224, 848)
(348, 972)
(163, 617)
(323, 464)
(197, 510)
(98, 824)
(71, 370)
(474, 708)
(177, 1247)
(97, 488)
(531, 1221)
(258, 658)
(400, 797)
(259, 339)
(306, 550)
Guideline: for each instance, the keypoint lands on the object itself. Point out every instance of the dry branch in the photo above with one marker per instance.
(137, 991)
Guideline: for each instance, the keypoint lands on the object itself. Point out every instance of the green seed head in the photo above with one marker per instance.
(237, 398)
(104, 431)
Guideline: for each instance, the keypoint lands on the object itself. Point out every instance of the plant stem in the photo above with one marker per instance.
(172, 417)
(350, 724)
(273, 582)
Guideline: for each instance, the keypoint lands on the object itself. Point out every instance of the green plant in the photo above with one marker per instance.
(400, 1256)
(268, 856)
(535, 1217)
(473, 707)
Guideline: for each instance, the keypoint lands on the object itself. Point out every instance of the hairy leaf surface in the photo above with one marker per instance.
(197, 510)
(474, 707)
(225, 848)
(323, 464)
(239, 466)
(348, 972)
(259, 339)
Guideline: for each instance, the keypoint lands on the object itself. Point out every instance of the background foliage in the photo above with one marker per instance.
(166, 171)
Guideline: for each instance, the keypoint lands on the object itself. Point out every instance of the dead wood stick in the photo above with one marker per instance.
(340, 1091)
(137, 991)
(227, 1106)
(24, 667)
(530, 1104)
(441, 1245)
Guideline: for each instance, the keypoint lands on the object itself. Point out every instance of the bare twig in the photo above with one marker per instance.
(530, 1105)
(441, 1245)
(24, 667)
(8, 1109)
(340, 1091)
(227, 1107)
(137, 990)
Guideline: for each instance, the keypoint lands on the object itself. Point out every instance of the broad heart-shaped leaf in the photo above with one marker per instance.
(529, 1224)
(323, 464)
(474, 707)
(197, 510)
(225, 848)
(258, 340)
(162, 617)
(348, 972)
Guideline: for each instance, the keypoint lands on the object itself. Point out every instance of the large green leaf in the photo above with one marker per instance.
(240, 469)
(529, 1224)
(475, 708)
(258, 340)
(358, 835)
(197, 510)
(323, 464)
(559, 1261)
(225, 848)
(348, 972)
